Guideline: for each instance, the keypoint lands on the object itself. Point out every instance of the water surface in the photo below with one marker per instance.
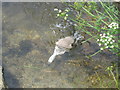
(30, 31)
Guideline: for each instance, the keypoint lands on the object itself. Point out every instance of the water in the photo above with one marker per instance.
(30, 31)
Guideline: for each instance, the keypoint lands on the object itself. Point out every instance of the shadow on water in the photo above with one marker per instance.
(10, 80)
(25, 46)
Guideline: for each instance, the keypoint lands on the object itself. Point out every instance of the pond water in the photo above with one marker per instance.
(29, 33)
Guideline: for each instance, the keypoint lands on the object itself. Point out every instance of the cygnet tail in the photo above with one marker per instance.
(51, 58)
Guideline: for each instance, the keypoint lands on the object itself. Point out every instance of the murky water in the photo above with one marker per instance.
(29, 34)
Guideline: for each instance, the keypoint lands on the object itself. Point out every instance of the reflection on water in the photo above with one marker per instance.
(30, 31)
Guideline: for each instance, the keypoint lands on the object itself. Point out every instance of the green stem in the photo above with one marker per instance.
(99, 79)
(100, 15)
(89, 39)
(93, 15)
(87, 24)
(114, 78)
(112, 12)
(95, 53)
(88, 12)
(91, 26)
(31, 67)
(106, 10)
(82, 29)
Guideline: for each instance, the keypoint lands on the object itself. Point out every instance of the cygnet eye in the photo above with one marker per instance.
(72, 44)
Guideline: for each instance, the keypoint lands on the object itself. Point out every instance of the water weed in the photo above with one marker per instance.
(100, 21)
(99, 16)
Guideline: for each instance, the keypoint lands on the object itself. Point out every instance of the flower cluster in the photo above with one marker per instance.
(106, 40)
(62, 13)
(113, 25)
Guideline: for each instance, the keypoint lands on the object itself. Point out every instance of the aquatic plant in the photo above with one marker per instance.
(100, 17)
(100, 21)
(110, 70)
(61, 13)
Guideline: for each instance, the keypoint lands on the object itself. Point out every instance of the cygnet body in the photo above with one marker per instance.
(65, 44)
(61, 47)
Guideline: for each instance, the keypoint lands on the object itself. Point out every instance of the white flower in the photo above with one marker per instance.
(101, 48)
(109, 39)
(60, 11)
(113, 40)
(111, 35)
(98, 40)
(105, 44)
(99, 44)
(110, 26)
(66, 10)
(58, 14)
(101, 40)
(111, 46)
(75, 24)
(55, 9)
(117, 26)
(65, 18)
(113, 25)
(103, 35)
(66, 14)
(108, 33)
(106, 47)
(105, 40)
(100, 34)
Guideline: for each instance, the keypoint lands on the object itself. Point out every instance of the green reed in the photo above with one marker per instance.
(100, 17)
